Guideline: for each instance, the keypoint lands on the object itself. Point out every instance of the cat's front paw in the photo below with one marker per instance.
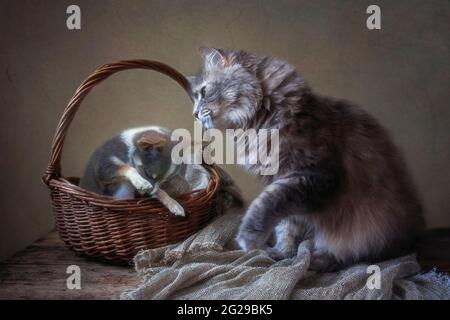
(139, 183)
(143, 186)
(250, 238)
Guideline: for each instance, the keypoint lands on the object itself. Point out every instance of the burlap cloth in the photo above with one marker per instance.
(208, 265)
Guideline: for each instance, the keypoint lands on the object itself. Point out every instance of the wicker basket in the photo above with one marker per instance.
(113, 229)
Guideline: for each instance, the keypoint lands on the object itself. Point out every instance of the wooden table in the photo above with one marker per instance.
(39, 272)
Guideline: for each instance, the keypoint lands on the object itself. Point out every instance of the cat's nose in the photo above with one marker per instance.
(195, 114)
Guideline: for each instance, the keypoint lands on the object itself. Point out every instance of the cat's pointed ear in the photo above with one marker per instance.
(213, 57)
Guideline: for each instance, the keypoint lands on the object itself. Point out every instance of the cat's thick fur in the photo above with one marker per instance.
(341, 180)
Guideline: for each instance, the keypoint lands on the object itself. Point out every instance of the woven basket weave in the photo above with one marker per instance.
(113, 229)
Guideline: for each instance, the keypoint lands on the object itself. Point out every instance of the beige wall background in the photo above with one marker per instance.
(400, 74)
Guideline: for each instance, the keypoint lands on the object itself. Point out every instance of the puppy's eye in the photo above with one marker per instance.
(202, 92)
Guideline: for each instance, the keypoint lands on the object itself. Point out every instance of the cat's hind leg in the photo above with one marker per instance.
(324, 261)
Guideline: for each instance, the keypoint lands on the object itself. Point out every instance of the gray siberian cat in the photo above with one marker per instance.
(342, 182)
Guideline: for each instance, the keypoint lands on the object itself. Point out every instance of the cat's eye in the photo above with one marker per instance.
(202, 92)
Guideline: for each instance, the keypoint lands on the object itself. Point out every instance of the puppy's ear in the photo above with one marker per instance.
(213, 57)
(150, 141)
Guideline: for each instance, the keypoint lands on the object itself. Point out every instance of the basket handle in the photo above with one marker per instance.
(54, 167)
